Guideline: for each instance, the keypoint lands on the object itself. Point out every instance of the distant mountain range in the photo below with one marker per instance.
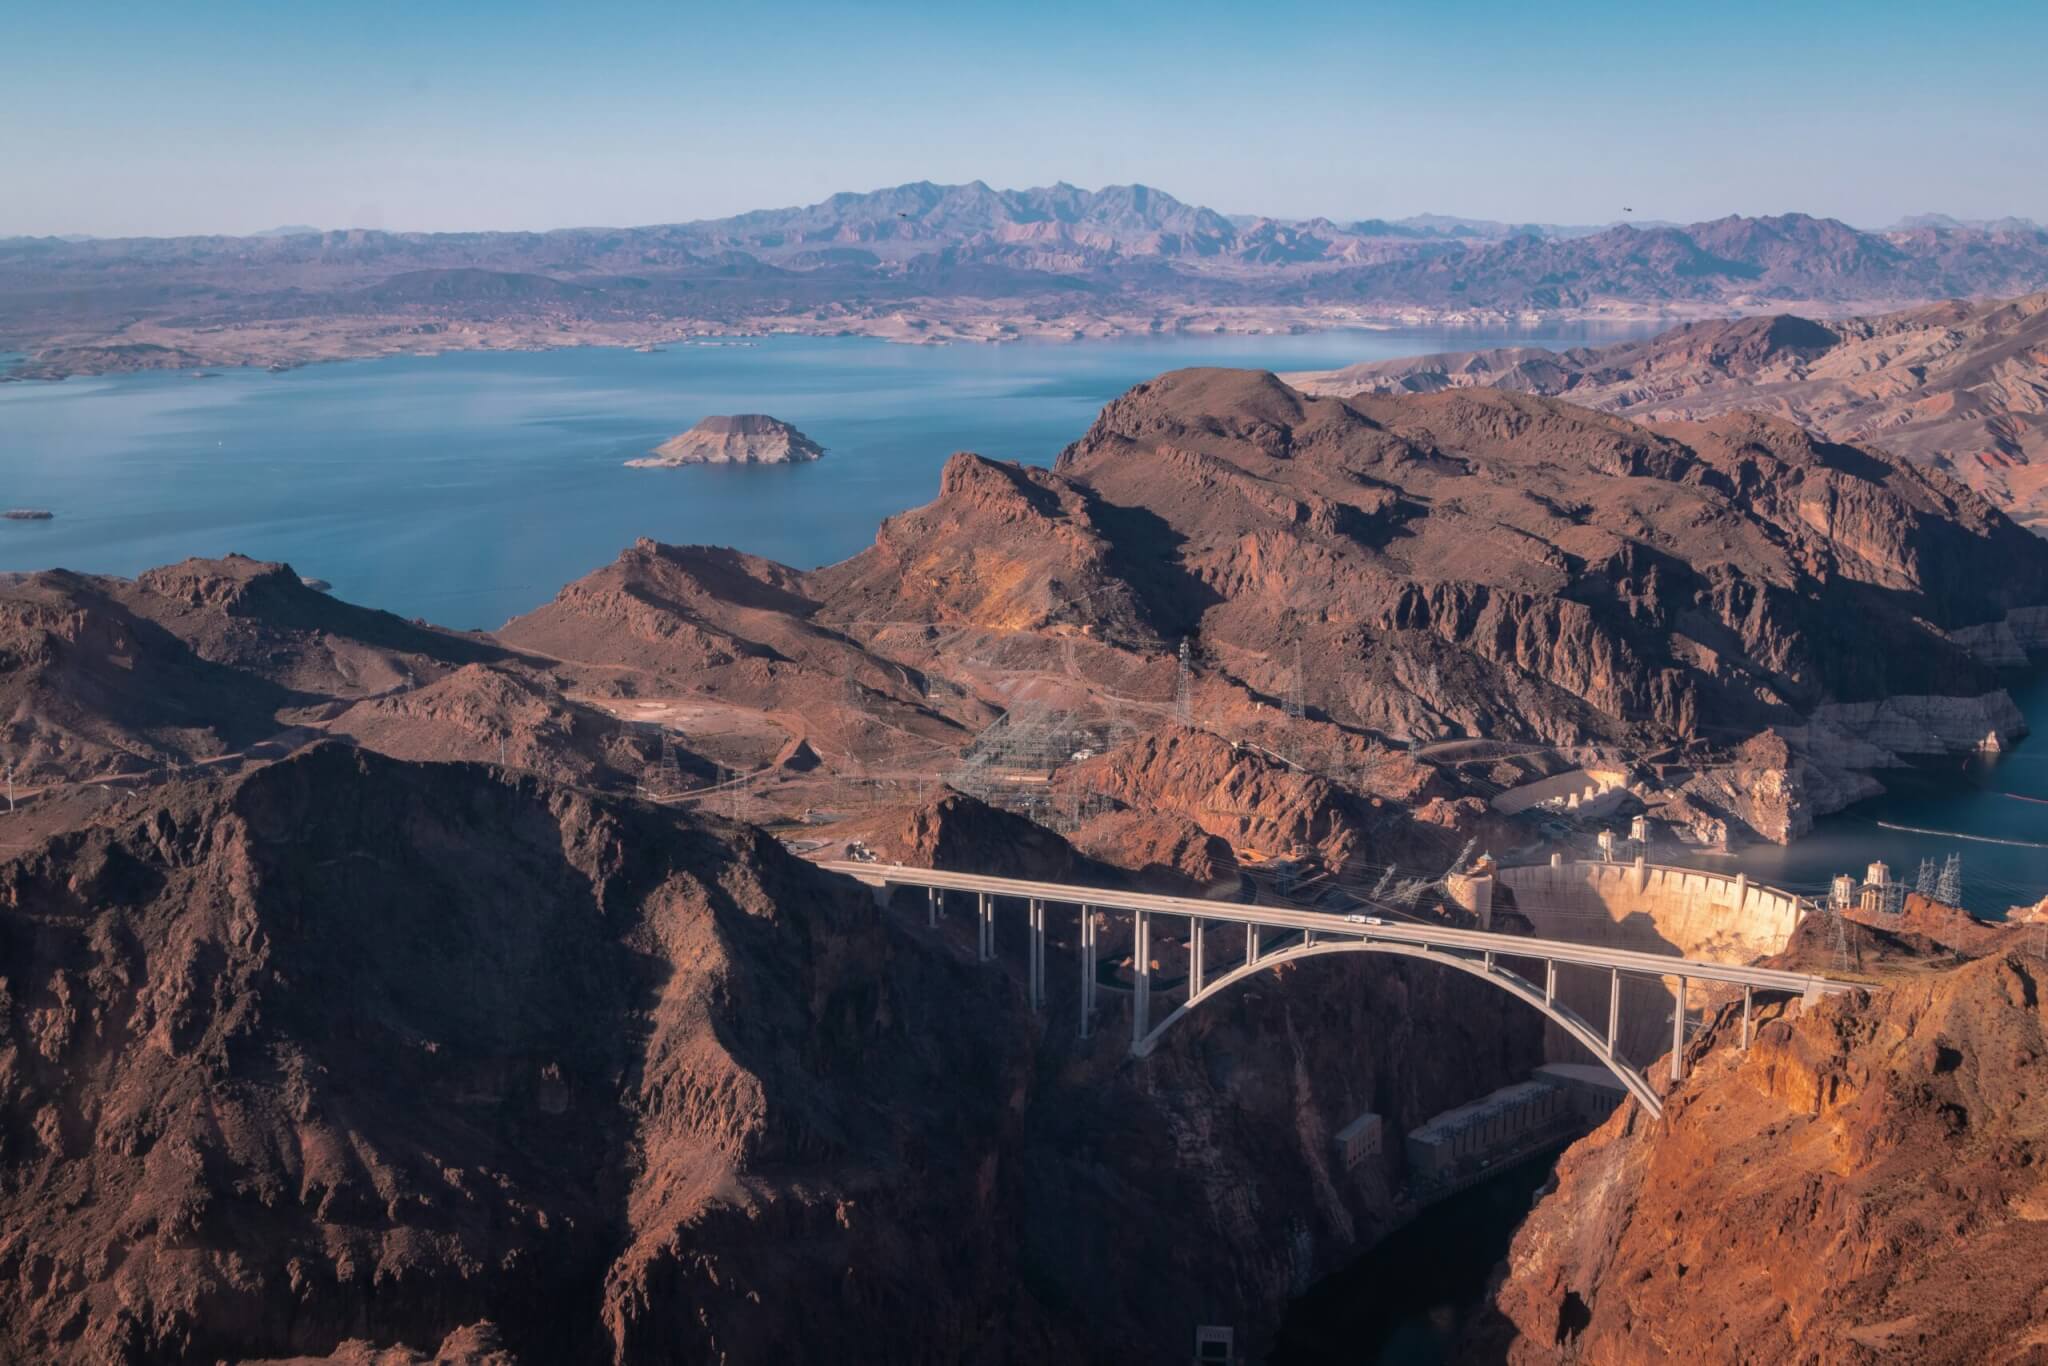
(947, 262)
(1963, 386)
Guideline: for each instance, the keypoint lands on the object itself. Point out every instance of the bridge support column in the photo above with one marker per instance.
(931, 908)
(1613, 1009)
(1141, 978)
(1087, 972)
(1747, 992)
(1251, 945)
(1198, 933)
(1678, 1034)
(1549, 981)
(1037, 954)
(985, 946)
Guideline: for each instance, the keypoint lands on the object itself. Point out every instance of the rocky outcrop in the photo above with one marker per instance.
(1859, 1186)
(482, 715)
(1640, 581)
(955, 832)
(1772, 788)
(747, 439)
(359, 1049)
(231, 660)
(707, 622)
(1962, 386)
(1163, 852)
(363, 1059)
(1249, 801)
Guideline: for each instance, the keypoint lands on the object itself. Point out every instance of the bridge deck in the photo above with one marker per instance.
(1326, 924)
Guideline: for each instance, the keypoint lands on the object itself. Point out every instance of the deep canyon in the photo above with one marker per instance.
(375, 987)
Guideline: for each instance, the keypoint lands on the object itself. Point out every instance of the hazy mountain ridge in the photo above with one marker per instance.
(946, 262)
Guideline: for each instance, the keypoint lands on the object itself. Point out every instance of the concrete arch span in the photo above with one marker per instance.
(1487, 969)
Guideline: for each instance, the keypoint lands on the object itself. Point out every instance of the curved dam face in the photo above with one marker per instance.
(1649, 908)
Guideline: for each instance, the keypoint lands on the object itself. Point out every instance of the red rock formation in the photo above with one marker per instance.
(1862, 1185)
(358, 1049)
(745, 439)
(1164, 853)
(1961, 386)
(234, 660)
(365, 1059)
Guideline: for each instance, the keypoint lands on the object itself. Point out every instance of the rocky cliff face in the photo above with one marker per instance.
(1633, 580)
(350, 1056)
(1864, 1184)
(350, 1048)
(1960, 386)
(1442, 566)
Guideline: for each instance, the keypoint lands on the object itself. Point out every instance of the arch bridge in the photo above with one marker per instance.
(1311, 934)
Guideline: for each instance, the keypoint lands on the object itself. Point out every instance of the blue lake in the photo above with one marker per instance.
(468, 488)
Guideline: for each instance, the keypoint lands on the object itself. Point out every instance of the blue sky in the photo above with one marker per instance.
(174, 118)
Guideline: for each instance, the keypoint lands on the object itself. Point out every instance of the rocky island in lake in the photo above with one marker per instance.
(743, 439)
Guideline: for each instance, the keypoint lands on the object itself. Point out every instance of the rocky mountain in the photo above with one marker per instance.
(222, 662)
(1670, 582)
(1961, 386)
(924, 262)
(347, 1056)
(1417, 569)
(1862, 1185)
(373, 991)
(350, 1048)
(1452, 565)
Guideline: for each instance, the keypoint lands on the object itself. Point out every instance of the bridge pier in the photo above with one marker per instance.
(1037, 916)
(1613, 1009)
(1678, 1035)
(1087, 972)
(1303, 934)
(1141, 978)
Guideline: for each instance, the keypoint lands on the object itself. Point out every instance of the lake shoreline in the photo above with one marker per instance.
(282, 347)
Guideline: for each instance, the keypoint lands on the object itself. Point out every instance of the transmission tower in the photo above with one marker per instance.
(1924, 884)
(1840, 939)
(665, 775)
(1184, 688)
(1894, 897)
(1379, 888)
(1950, 892)
(1297, 687)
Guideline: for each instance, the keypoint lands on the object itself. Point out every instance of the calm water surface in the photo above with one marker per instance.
(1992, 811)
(467, 488)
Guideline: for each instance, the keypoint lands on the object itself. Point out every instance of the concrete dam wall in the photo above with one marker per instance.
(1650, 908)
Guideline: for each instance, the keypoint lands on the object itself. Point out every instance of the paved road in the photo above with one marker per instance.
(1333, 927)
